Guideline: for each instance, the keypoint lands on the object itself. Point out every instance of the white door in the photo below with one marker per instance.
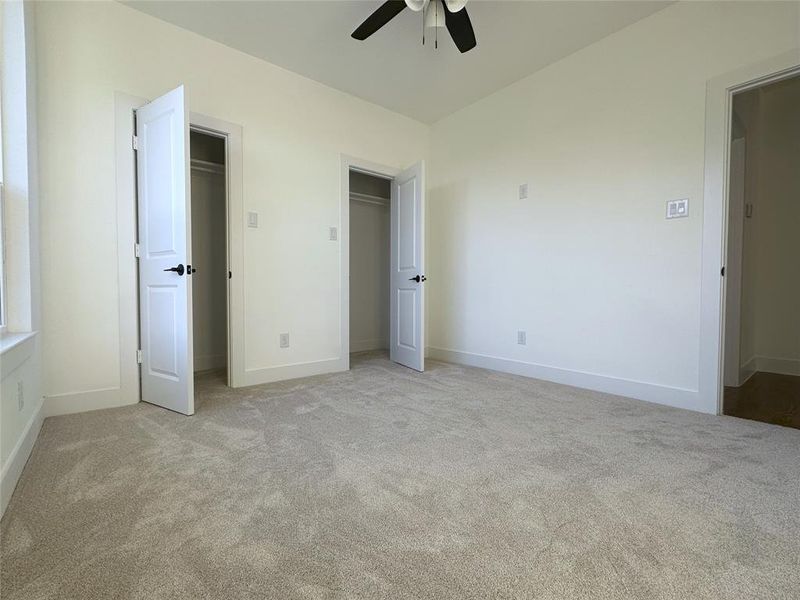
(165, 291)
(407, 255)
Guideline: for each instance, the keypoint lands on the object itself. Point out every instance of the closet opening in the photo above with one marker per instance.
(370, 202)
(209, 224)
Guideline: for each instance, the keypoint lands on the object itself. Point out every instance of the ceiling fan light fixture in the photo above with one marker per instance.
(417, 5)
(455, 5)
(434, 17)
(456, 20)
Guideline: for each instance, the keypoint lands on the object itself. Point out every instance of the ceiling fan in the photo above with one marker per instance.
(456, 19)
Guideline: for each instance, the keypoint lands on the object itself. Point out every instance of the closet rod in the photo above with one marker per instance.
(207, 166)
(369, 199)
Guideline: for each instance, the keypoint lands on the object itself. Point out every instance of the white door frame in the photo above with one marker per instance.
(731, 352)
(719, 100)
(351, 163)
(129, 390)
(234, 210)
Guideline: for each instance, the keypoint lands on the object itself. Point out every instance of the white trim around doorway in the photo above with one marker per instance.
(719, 98)
(351, 163)
(234, 206)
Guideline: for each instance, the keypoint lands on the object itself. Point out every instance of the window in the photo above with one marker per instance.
(2, 263)
(17, 121)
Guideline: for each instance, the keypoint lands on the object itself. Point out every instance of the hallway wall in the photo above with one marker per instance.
(770, 328)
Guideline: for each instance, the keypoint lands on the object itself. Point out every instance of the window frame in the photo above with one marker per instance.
(3, 296)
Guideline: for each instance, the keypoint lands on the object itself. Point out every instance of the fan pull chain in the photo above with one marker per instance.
(423, 27)
(436, 29)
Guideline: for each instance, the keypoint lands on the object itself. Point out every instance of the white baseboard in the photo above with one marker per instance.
(649, 392)
(768, 364)
(210, 362)
(293, 371)
(65, 404)
(367, 345)
(76, 402)
(18, 457)
(782, 366)
(747, 370)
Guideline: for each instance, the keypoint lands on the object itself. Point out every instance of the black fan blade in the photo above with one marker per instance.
(387, 11)
(460, 28)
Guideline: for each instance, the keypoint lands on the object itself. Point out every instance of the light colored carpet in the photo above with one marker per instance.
(384, 483)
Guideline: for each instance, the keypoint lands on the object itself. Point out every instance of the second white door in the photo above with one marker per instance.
(407, 273)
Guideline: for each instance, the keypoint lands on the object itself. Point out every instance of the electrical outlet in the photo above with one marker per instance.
(284, 340)
(333, 234)
(522, 338)
(523, 191)
(20, 396)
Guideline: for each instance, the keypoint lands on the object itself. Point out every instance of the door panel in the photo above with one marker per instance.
(407, 316)
(165, 291)
(162, 303)
(156, 156)
(406, 217)
(406, 322)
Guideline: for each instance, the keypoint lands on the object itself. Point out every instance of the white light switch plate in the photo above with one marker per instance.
(523, 191)
(678, 208)
(252, 219)
(333, 234)
(284, 340)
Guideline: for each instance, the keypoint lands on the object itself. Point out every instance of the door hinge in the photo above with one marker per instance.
(139, 357)
(136, 250)
(135, 142)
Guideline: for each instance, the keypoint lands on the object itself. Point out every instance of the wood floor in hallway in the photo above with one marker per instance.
(766, 397)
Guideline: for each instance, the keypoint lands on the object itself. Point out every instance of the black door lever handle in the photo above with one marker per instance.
(179, 269)
(417, 279)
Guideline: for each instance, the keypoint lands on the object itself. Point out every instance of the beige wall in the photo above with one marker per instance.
(588, 266)
(778, 320)
(293, 133)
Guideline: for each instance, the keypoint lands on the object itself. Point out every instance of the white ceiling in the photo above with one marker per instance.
(392, 68)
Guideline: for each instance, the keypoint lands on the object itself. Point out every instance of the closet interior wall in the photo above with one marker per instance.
(209, 252)
(369, 262)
